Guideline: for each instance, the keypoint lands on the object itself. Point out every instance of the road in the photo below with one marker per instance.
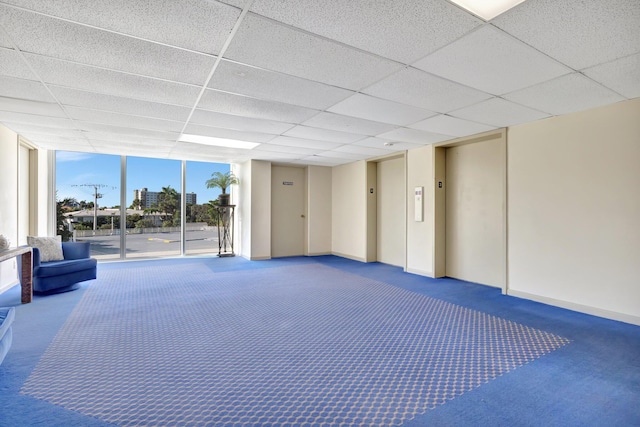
(153, 244)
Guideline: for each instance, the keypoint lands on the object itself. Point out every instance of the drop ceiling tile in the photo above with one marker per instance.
(194, 129)
(269, 85)
(566, 94)
(228, 103)
(31, 107)
(31, 90)
(415, 87)
(119, 104)
(414, 136)
(491, 61)
(108, 82)
(304, 143)
(12, 65)
(349, 124)
(402, 30)
(499, 112)
(576, 32)
(120, 130)
(110, 139)
(295, 152)
(123, 120)
(622, 75)
(342, 155)
(25, 123)
(323, 134)
(198, 25)
(451, 126)
(267, 45)
(229, 121)
(72, 42)
(385, 144)
(376, 109)
(362, 150)
(273, 156)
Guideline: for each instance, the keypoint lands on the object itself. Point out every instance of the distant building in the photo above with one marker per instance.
(148, 198)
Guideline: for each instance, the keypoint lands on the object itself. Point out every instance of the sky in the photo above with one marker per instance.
(78, 174)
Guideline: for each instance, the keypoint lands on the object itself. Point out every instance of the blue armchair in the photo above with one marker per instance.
(61, 276)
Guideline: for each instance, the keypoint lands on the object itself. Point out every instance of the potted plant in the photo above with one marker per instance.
(222, 180)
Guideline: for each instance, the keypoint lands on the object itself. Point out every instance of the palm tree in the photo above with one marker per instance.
(222, 180)
(168, 201)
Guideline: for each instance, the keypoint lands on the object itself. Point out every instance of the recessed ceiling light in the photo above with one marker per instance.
(388, 144)
(487, 9)
(218, 142)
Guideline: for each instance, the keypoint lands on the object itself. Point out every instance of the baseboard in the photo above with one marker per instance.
(355, 258)
(318, 253)
(594, 311)
(259, 258)
(9, 285)
(420, 272)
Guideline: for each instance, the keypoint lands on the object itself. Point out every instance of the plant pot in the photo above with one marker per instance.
(223, 199)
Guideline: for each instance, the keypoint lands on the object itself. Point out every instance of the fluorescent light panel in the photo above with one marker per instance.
(218, 142)
(487, 9)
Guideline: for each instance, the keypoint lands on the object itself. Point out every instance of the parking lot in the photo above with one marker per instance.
(149, 245)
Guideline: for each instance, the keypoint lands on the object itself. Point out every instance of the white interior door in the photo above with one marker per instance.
(475, 216)
(287, 211)
(391, 212)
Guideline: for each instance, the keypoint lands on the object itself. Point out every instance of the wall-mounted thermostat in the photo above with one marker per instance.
(418, 203)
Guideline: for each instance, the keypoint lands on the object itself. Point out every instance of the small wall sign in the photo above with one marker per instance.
(287, 182)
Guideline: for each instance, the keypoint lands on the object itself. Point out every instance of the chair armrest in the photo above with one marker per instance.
(35, 257)
(76, 250)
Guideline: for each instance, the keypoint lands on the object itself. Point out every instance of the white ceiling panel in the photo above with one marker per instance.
(376, 109)
(52, 37)
(12, 65)
(414, 135)
(385, 144)
(295, 152)
(401, 30)
(121, 130)
(275, 155)
(229, 121)
(108, 82)
(622, 75)
(269, 85)
(448, 125)
(123, 120)
(342, 155)
(192, 24)
(25, 89)
(107, 138)
(119, 104)
(45, 127)
(493, 62)
(229, 103)
(576, 32)
(304, 143)
(30, 107)
(348, 124)
(195, 129)
(566, 94)
(323, 134)
(265, 44)
(318, 160)
(365, 151)
(420, 89)
(499, 112)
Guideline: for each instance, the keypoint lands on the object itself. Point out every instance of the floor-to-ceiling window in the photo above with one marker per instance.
(153, 200)
(201, 234)
(88, 201)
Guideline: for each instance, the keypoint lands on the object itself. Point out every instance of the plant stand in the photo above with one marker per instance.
(225, 230)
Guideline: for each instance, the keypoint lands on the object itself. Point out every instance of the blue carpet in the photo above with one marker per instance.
(309, 341)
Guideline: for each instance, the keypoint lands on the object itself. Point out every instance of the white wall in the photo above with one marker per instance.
(574, 211)
(254, 209)
(9, 184)
(420, 234)
(348, 210)
(318, 210)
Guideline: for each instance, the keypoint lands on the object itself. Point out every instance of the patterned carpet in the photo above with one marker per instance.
(296, 345)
